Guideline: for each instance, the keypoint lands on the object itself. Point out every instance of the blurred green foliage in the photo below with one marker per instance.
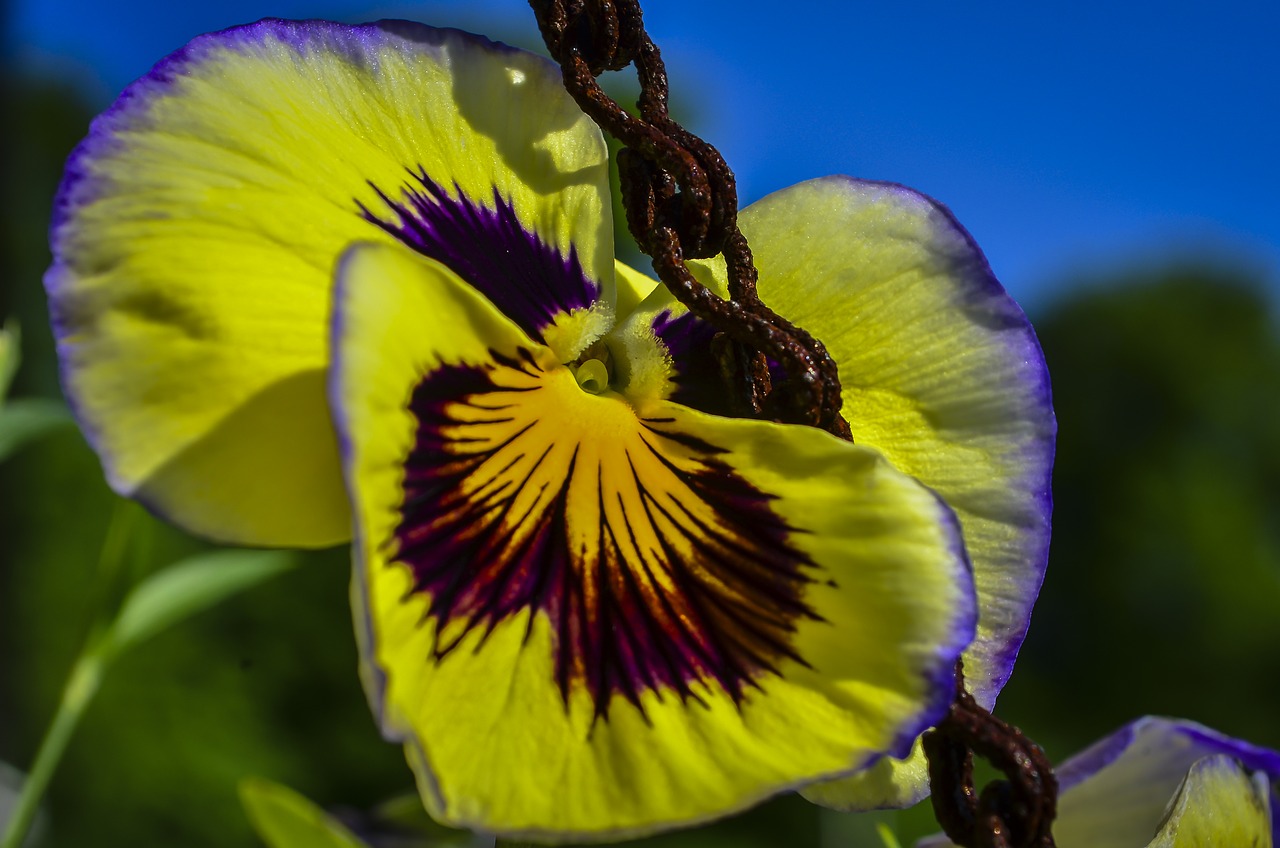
(285, 819)
(1163, 591)
(1162, 594)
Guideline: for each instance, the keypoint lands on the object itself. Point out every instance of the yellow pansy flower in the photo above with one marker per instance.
(316, 282)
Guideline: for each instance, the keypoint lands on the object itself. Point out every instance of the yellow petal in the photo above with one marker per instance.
(198, 225)
(633, 287)
(1142, 779)
(1218, 804)
(586, 622)
(941, 373)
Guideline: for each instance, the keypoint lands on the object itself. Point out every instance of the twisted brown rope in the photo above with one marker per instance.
(1017, 812)
(681, 203)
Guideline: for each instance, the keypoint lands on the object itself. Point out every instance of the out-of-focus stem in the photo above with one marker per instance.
(81, 686)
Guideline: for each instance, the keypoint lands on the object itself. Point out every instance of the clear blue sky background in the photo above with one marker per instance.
(1064, 135)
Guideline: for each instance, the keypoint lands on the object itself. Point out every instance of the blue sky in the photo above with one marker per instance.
(1065, 136)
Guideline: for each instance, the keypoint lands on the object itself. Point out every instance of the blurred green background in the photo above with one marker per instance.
(1163, 593)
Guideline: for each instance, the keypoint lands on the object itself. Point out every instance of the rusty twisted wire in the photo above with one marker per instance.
(1017, 812)
(681, 203)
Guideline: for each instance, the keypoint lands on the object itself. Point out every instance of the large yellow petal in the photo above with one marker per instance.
(942, 374)
(198, 225)
(589, 622)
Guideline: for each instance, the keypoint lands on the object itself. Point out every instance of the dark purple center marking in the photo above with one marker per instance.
(689, 577)
(530, 281)
(699, 382)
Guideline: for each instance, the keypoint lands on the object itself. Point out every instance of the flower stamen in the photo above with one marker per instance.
(593, 376)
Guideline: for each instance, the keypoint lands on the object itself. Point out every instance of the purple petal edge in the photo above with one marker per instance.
(1103, 753)
(298, 34)
(987, 302)
(93, 434)
(1106, 751)
(941, 676)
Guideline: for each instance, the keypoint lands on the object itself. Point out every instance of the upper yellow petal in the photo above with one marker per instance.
(941, 373)
(198, 226)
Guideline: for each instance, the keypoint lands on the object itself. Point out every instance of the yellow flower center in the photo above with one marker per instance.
(656, 564)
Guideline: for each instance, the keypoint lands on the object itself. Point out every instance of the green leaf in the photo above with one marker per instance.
(25, 419)
(190, 586)
(887, 835)
(285, 819)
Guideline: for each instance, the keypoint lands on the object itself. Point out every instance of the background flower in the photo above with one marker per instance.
(1162, 783)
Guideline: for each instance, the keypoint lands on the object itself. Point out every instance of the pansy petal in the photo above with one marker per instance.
(942, 374)
(1120, 788)
(197, 228)
(633, 287)
(585, 622)
(1164, 782)
(1218, 804)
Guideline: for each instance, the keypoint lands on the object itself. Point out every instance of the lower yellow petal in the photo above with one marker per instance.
(589, 622)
